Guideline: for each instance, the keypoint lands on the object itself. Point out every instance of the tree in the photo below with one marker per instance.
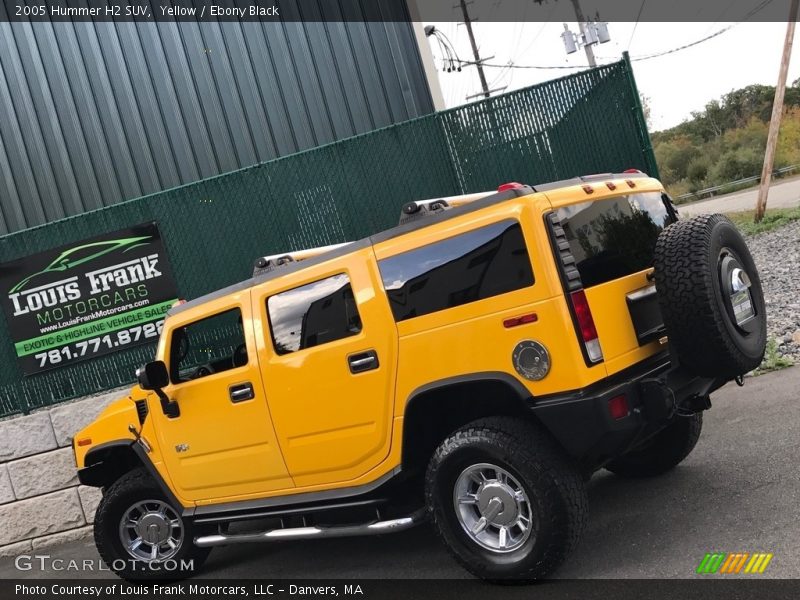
(646, 111)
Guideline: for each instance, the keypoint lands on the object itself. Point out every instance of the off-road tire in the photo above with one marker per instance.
(689, 286)
(554, 485)
(666, 450)
(132, 487)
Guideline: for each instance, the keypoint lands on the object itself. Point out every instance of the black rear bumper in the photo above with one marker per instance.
(654, 389)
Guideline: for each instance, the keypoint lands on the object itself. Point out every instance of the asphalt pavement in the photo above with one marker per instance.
(739, 491)
(784, 194)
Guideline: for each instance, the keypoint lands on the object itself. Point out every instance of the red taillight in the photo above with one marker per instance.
(583, 314)
(513, 185)
(588, 189)
(631, 171)
(610, 185)
(514, 321)
(630, 183)
(618, 407)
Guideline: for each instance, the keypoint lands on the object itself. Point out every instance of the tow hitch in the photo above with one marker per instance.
(677, 391)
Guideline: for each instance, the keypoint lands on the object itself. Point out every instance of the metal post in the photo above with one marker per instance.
(582, 26)
(775, 121)
(478, 62)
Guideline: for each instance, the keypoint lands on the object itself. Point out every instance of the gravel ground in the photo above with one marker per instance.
(777, 255)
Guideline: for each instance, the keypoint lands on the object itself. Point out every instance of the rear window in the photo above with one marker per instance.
(614, 238)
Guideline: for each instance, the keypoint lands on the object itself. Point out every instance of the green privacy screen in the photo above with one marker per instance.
(213, 230)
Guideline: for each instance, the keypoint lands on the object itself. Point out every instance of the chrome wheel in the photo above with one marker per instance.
(493, 507)
(151, 531)
(736, 285)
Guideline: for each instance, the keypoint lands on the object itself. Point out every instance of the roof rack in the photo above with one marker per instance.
(265, 264)
(418, 209)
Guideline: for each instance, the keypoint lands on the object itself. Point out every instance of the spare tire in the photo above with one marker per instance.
(710, 297)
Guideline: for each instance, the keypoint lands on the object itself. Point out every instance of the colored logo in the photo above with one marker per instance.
(70, 259)
(734, 563)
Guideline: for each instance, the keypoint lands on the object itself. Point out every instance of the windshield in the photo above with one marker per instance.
(616, 237)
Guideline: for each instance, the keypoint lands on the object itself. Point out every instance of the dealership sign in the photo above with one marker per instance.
(87, 299)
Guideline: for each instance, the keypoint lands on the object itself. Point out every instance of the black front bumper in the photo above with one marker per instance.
(655, 390)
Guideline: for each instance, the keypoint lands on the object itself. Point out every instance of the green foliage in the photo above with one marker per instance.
(737, 164)
(773, 219)
(697, 171)
(726, 140)
(773, 360)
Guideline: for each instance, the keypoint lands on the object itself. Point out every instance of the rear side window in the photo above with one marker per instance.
(313, 314)
(471, 266)
(614, 238)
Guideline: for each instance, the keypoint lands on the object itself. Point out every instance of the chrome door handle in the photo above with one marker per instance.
(363, 361)
(241, 392)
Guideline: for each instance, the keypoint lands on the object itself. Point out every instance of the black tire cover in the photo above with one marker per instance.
(694, 263)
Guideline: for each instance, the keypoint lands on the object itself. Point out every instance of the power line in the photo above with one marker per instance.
(755, 10)
(638, 15)
(541, 29)
(685, 46)
(634, 58)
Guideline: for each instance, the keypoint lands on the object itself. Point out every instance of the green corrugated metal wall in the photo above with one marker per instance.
(214, 229)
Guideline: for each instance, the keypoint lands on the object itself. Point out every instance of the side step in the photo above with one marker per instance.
(298, 533)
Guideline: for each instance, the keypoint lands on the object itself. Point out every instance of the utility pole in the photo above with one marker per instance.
(777, 113)
(582, 24)
(478, 60)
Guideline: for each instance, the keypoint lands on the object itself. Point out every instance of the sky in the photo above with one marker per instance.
(675, 84)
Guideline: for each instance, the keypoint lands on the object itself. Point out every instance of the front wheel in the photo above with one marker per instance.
(505, 501)
(141, 536)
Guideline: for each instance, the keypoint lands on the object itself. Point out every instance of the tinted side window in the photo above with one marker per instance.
(313, 314)
(207, 346)
(471, 266)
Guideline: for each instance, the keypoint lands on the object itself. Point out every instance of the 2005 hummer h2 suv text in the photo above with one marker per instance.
(472, 366)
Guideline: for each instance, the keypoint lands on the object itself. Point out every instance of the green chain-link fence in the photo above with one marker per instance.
(213, 230)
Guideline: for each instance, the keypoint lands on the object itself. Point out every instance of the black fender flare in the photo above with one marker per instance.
(494, 392)
(98, 471)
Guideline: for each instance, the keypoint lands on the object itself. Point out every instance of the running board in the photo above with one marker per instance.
(300, 533)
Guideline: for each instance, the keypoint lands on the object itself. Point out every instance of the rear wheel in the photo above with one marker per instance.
(663, 452)
(141, 536)
(505, 501)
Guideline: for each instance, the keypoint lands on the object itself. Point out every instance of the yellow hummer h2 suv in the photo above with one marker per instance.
(472, 366)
